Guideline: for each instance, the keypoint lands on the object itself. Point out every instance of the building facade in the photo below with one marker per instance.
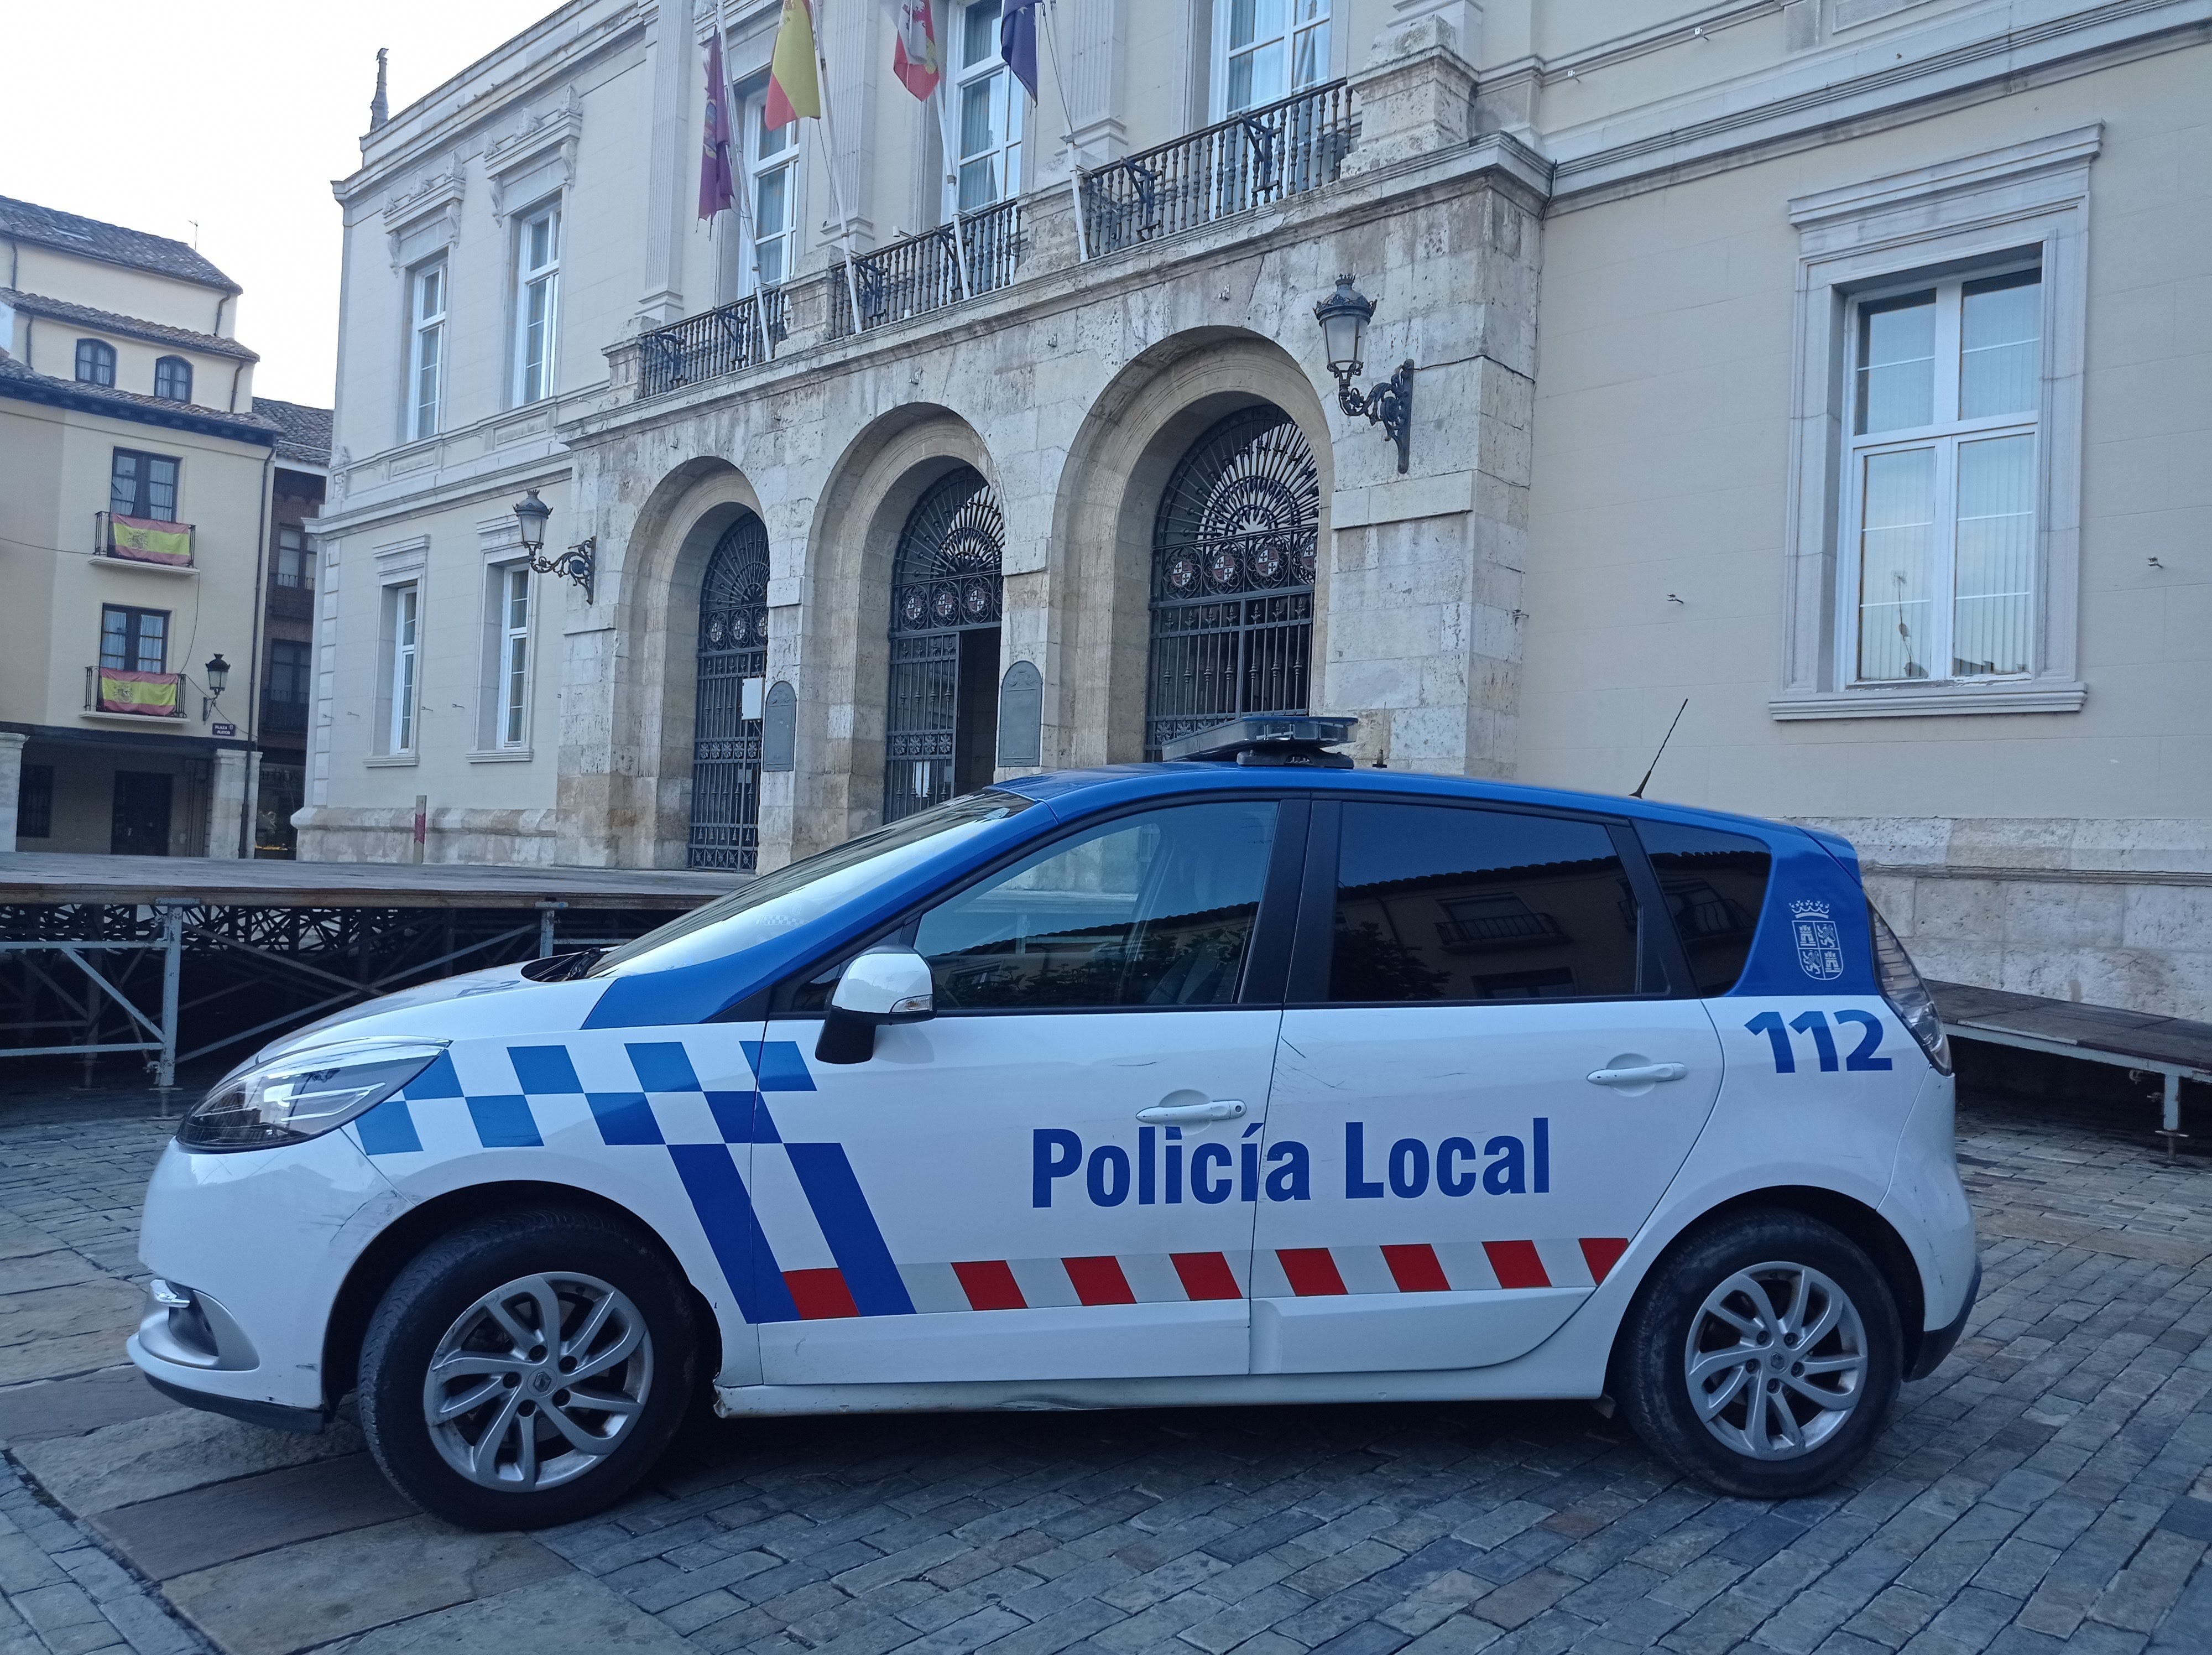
(287, 678)
(1827, 374)
(135, 484)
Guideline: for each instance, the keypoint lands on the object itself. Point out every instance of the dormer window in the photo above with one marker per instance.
(173, 380)
(96, 362)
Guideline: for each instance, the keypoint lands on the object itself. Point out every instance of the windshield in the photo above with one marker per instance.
(781, 902)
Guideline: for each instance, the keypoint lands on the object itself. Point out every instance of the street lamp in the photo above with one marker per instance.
(1343, 316)
(578, 562)
(216, 671)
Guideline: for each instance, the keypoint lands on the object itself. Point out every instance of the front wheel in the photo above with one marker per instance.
(526, 1369)
(1762, 1356)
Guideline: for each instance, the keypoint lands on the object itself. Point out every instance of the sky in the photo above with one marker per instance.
(236, 113)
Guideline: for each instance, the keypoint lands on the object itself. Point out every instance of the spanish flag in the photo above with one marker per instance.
(153, 694)
(793, 88)
(149, 540)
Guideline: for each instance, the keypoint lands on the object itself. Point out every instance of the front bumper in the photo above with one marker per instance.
(274, 1416)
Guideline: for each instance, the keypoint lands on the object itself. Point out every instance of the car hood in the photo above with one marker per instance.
(498, 1001)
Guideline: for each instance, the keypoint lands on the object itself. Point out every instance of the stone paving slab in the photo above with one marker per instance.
(2050, 1488)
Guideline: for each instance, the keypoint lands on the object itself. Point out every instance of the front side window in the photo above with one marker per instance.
(989, 101)
(143, 486)
(772, 181)
(514, 657)
(291, 664)
(1155, 910)
(1942, 476)
(1448, 903)
(134, 640)
(406, 619)
(538, 279)
(426, 352)
(96, 362)
(1269, 50)
(173, 380)
(296, 563)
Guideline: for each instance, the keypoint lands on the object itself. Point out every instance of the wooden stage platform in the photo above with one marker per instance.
(47, 877)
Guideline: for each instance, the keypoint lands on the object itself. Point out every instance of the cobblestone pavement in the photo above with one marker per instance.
(2047, 1489)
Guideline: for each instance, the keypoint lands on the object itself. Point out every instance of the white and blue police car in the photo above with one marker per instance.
(1251, 1078)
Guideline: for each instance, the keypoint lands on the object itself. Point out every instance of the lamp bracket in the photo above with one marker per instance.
(1388, 403)
(580, 564)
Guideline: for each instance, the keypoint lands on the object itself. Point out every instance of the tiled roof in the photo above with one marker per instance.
(23, 384)
(130, 327)
(89, 238)
(306, 431)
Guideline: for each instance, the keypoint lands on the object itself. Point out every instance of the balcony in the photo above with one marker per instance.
(1252, 161)
(113, 692)
(290, 601)
(282, 717)
(1482, 933)
(147, 541)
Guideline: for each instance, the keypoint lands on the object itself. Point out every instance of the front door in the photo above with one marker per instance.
(1486, 1092)
(725, 752)
(941, 708)
(1055, 1177)
(141, 822)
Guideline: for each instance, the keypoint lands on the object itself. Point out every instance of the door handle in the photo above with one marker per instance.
(1639, 1074)
(1219, 1109)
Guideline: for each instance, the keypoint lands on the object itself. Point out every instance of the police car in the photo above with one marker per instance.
(1249, 1077)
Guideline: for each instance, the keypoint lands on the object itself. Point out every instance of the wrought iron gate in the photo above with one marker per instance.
(1233, 552)
(944, 588)
(725, 747)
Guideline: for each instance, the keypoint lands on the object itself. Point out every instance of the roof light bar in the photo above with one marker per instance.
(1268, 738)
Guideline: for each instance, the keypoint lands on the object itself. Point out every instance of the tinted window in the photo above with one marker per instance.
(1154, 909)
(1715, 884)
(1435, 902)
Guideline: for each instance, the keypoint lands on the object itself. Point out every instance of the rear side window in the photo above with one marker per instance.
(1716, 884)
(1447, 902)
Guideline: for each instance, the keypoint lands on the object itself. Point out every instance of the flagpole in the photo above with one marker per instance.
(836, 185)
(743, 193)
(952, 181)
(1047, 9)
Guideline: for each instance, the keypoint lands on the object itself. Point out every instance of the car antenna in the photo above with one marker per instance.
(1661, 753)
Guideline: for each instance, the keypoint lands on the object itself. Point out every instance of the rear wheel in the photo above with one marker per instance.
(1762, 1356)
(527, 1369)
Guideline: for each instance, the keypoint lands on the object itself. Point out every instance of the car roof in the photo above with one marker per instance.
(1082, 790)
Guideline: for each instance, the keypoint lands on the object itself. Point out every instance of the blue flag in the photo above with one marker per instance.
(1017, 41)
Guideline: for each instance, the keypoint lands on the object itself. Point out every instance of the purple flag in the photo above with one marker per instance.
(717, 188)
(1017, 41)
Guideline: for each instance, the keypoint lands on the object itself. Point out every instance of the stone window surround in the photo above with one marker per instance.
(2026, 196)
(398, 564)
(499, 540)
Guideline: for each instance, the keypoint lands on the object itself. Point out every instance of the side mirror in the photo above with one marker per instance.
(885, 985)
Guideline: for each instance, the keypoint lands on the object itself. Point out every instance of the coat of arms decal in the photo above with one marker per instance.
(1819, 948)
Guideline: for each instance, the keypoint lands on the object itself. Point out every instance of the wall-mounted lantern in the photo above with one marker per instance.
(1343, 316)
(578, 562)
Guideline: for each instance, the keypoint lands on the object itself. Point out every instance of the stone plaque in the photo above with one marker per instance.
(1021, 716)
(780, 728)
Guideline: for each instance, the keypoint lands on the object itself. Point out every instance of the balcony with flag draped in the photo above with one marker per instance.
(145, 540)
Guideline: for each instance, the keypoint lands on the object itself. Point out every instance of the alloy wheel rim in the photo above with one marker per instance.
(1776, 1361)
(538, 1381)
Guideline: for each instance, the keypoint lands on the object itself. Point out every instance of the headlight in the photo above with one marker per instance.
(1907, 995)
(301, 1095)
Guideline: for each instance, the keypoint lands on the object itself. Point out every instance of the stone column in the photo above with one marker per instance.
(1416, 96)
(1091, 39)
(11, 784)
(673, 158)
(225, 801)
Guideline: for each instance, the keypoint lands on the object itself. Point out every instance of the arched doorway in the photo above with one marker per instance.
(1233, 554)
(725, 745)
(941, 714)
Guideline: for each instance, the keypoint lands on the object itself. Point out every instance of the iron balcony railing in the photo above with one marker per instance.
(1250, 160)
(1480, 933)
(143, 540)
(920, 273)
(715, 342)
(115, 690)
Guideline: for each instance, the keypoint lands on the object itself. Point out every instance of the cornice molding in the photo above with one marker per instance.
(552, 137)
(438, 196)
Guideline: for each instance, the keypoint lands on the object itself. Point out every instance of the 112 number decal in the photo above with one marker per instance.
(1861, 1056)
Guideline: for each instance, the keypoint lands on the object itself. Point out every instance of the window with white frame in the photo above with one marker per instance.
(1932, 559)
(404, 616)
(513, 632)
(1265, 50)
(1941, 478)
(771, 156)
(537, 296)
(989, 101)
(426, 352)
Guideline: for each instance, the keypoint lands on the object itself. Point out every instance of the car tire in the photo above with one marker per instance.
(458, 1331)
(1761, 1356)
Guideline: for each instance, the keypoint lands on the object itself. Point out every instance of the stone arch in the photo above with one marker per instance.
(655, 698)
(1117, 470)
(872, 489)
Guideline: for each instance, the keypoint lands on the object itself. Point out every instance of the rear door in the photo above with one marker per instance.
(1056, 1176)
(1485, 1083)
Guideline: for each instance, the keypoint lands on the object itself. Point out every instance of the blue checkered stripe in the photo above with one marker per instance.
(671, 1111)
